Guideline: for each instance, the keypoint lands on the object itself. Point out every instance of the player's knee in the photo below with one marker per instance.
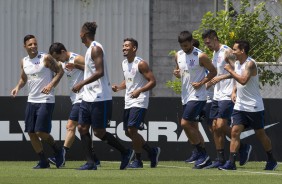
(70, 128)
(82, 130)
(235, 133)
(185, 123)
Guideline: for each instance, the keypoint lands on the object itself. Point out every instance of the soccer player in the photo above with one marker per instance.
(249, 108)
(73, 66)
(191, 66)
(204, 115)
(41, 73)
(96, 105)
(138, 80)
(222, 105)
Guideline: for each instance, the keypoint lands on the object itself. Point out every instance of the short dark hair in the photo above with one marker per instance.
(196, 43)
(90, 28)
(28, 37)
(57, 48)
(133, 41)
(185, 36)
(209, 33)
(243, 44)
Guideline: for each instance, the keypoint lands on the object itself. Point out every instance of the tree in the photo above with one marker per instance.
(263, 31)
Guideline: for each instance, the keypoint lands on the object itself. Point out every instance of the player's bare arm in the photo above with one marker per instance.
(234, 95)
(228, 58)
(120, 87)
(250, 70)
(79, 62)
(98, 57)
(206, 63)
(148, 74)
(176, 71)
(21, 83)
(56, 67)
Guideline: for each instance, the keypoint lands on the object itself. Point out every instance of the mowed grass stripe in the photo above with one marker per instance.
(172, 172)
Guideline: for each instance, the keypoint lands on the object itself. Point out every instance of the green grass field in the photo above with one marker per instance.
(167, 172)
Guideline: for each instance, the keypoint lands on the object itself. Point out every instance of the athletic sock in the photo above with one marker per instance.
(242, 146)
(66, 149)
(200, 149)
(42, 156)
(94, 156)
(112, 141)
(50, 140)
(87, 146)
(232, 157)
(270, 156)
(147, 148)
(138, 156)
(220, 155)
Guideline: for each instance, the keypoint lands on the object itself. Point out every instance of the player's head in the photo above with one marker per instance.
(129, 47)
(58, 51)
(210, 39)
(241, 48)
(88, 31)
(30, 44)
(185, 40)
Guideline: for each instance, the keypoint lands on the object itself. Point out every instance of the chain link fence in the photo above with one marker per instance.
(274, 8)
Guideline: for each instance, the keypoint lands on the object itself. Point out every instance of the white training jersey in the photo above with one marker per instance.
(134, 80)
(99, 90)
(191, 71)
(38, 76)
(74, 76)
(248, 95)
(222, 89)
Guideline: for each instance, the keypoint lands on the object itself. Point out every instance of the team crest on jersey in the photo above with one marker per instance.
(39, 56)
(195, 53)
(192, 63)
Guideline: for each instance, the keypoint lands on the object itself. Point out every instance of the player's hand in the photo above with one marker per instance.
(14, 92)
(76, 88)
(176, 73)
(135, 94)
(233, 97)
(114, 88)
(196, 85)
(47, 89)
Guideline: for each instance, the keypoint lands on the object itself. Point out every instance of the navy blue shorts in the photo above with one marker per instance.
(74, 114)
(38, 117)
(221, 109)
(96, 114)
(206, 114)
(253, 120)
(192, 110)
(134, 117)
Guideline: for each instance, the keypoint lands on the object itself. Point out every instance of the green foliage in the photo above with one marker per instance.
(263, 31)
(175, 85)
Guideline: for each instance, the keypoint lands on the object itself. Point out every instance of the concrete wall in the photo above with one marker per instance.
(169, 18)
